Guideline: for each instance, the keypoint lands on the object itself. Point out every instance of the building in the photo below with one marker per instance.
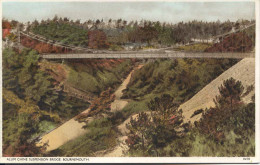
(199, 40)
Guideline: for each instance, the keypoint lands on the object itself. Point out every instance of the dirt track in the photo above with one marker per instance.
(119, 104)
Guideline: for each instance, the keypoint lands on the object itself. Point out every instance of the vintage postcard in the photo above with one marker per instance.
(130, 81)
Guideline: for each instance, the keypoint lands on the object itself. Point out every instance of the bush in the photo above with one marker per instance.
(150, 132)
(230, 93)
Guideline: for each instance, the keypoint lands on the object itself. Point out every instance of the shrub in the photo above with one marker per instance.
(150, 132)
(230, 93)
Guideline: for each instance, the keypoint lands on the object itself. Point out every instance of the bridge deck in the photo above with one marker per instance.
(148, 55)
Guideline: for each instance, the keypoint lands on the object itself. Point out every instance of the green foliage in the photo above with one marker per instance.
(222, 131)
(200, 145)
(225, 130)
(230, 92)
(40, 88)
(166, 36)
(139, 137)
(22, 75)
(181, 78)
(183, 32)
(87, 77)
(134, 107)
(43, 127)
(238, 138)
(200, 47)
(16, 132)
(150, 132)
(251, 34)
(65, 33)
(69, 107)
(11, 66)
(180, 146)
(29, 97)
(229, 116)
(153, 33)
(20, 114)
(83, 80)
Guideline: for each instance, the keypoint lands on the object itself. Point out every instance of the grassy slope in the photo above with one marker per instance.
(96, 76)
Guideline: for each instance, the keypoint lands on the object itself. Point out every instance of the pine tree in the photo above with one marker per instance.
(230, 93)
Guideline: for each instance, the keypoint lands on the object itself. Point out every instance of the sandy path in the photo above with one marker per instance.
(118, 105)
(243, 71)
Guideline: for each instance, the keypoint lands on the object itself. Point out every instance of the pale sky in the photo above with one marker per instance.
(171, 12)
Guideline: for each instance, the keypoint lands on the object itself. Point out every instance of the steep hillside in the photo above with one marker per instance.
(35, 98)
(181, 78)
(243, 71)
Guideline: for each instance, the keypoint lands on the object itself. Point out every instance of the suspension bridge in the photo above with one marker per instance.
(148, 55)
(86, 53)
